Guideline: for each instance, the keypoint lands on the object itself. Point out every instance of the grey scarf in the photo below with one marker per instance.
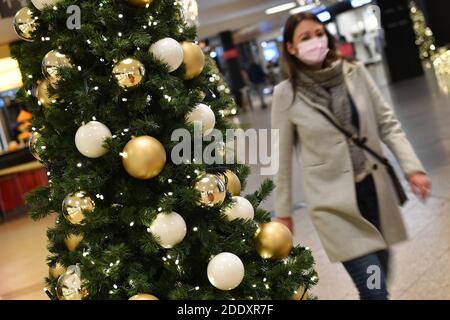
(327, 88)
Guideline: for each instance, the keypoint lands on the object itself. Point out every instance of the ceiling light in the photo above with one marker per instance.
(281, 8)
(359, 3)
(302, 8)
(324, 16)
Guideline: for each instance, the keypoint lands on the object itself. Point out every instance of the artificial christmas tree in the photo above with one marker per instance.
(133, 224)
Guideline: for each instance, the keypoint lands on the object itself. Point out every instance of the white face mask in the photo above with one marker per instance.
(313, 51)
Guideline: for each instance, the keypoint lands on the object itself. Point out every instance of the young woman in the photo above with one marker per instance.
(349, 194)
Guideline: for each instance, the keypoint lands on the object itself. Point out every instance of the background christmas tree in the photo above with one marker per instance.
(105, 100)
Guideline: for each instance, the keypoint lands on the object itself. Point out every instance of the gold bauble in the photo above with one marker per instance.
(57, 270)
(212, 189)
(300, 293)
(35, 136)
(273, 240)
(52, 62)
(76, 205)
(68, 286)
(143, 296)
(42, 93)
(232, 183)
(194, 60)
(72, 241)
(140, 3)
(25, 24)
(144, 157)
(129, 72)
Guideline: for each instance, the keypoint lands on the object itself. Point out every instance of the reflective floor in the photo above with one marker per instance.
(420, 266)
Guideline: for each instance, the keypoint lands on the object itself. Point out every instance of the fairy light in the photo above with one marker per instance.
(124, 99)
(120, 16)
(119, 34)
(88, 41)
(79, 68)
(160, 209)
(195, 229)
(131, 223)
(79, 164)
(169, 180)
(197, 288)
(170, 193)
(149, 230)
(290, 273)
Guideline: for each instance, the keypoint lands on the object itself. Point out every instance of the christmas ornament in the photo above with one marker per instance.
(194, 60)
(211, 188)
(56, 270)
(231, 181)
(90, 138)
(204, 116)
(72, 241)
(240, 208)
(52, 62)
(41, 4)
(129, 72)
(300, 294)
(68, 286)
(35, 136)
(25, 24)
(273, 240)
(42, 94)
(225, 271)
(168, 51)
(190, 12)
(143, 296)
(144, 157)
(169, 229)
(76, 205)
(140, 3)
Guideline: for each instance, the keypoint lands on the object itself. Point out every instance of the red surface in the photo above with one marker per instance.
(231, 54)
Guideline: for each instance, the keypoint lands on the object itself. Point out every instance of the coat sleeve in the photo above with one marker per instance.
(282, 99)
(390, 130)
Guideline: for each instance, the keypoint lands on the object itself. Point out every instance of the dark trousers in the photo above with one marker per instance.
(369, 272)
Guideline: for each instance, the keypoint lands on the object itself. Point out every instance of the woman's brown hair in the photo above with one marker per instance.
(292, 63)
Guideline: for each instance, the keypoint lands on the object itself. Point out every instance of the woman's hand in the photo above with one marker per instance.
(420, 184)
(287, 222)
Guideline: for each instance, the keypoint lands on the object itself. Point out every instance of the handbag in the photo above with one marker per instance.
(361, 143)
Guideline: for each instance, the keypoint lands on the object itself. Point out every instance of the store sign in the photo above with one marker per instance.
(8, 8)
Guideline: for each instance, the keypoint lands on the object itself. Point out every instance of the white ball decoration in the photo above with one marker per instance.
(226, 271)
(40, 4)
(168, 51)
(169, 229)
(90, 137)
(241, 208)
(202, 114)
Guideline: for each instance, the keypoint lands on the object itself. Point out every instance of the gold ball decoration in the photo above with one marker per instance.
(42, 94)
(25, 24)
(72, 242)
(143, 296)
(52, 62)
(76, 205)
(144, 157)
(194, 60)
(35, 136)
(56, 270)
(232, 183)
(300, 292)
(273, 240)
(68, 286)
(211, 188)
(140, 3)
(129, 72)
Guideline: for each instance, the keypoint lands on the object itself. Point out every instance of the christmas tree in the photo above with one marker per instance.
(107, 83)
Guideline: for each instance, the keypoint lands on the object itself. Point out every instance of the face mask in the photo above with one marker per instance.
(313, 51)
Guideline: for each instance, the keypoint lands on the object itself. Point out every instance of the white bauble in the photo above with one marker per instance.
(40, 4)
(241, 208)
(226, 271)
(89, 139)
(202, 114)
(169, 229)
(168, 51)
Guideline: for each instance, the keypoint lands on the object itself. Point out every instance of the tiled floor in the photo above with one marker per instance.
(420, 266)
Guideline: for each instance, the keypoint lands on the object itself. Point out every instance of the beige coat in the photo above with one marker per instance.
(327, 171)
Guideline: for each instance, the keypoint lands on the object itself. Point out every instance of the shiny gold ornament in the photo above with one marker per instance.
(25, 24)
(35, 136)
(144, 157)
(232, 183)
(68, 286)
(42, 94)
(211, 188)
(140, 3)
(300, 292)
(194, 60)
(57, 270)
(143, 296)
(72, 242)
(76, 205)
(52, 62)
(273, 240)
(129, 72)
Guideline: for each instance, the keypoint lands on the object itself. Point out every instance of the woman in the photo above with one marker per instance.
(350, 196)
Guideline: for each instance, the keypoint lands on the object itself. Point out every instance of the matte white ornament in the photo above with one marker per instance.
(90, 138)
(204, 116)
(168, 51)
(241, 208)
(40, 4)
(226, 271)
(169, 229)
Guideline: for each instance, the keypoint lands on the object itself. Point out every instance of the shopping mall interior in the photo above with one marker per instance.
(404, 44)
